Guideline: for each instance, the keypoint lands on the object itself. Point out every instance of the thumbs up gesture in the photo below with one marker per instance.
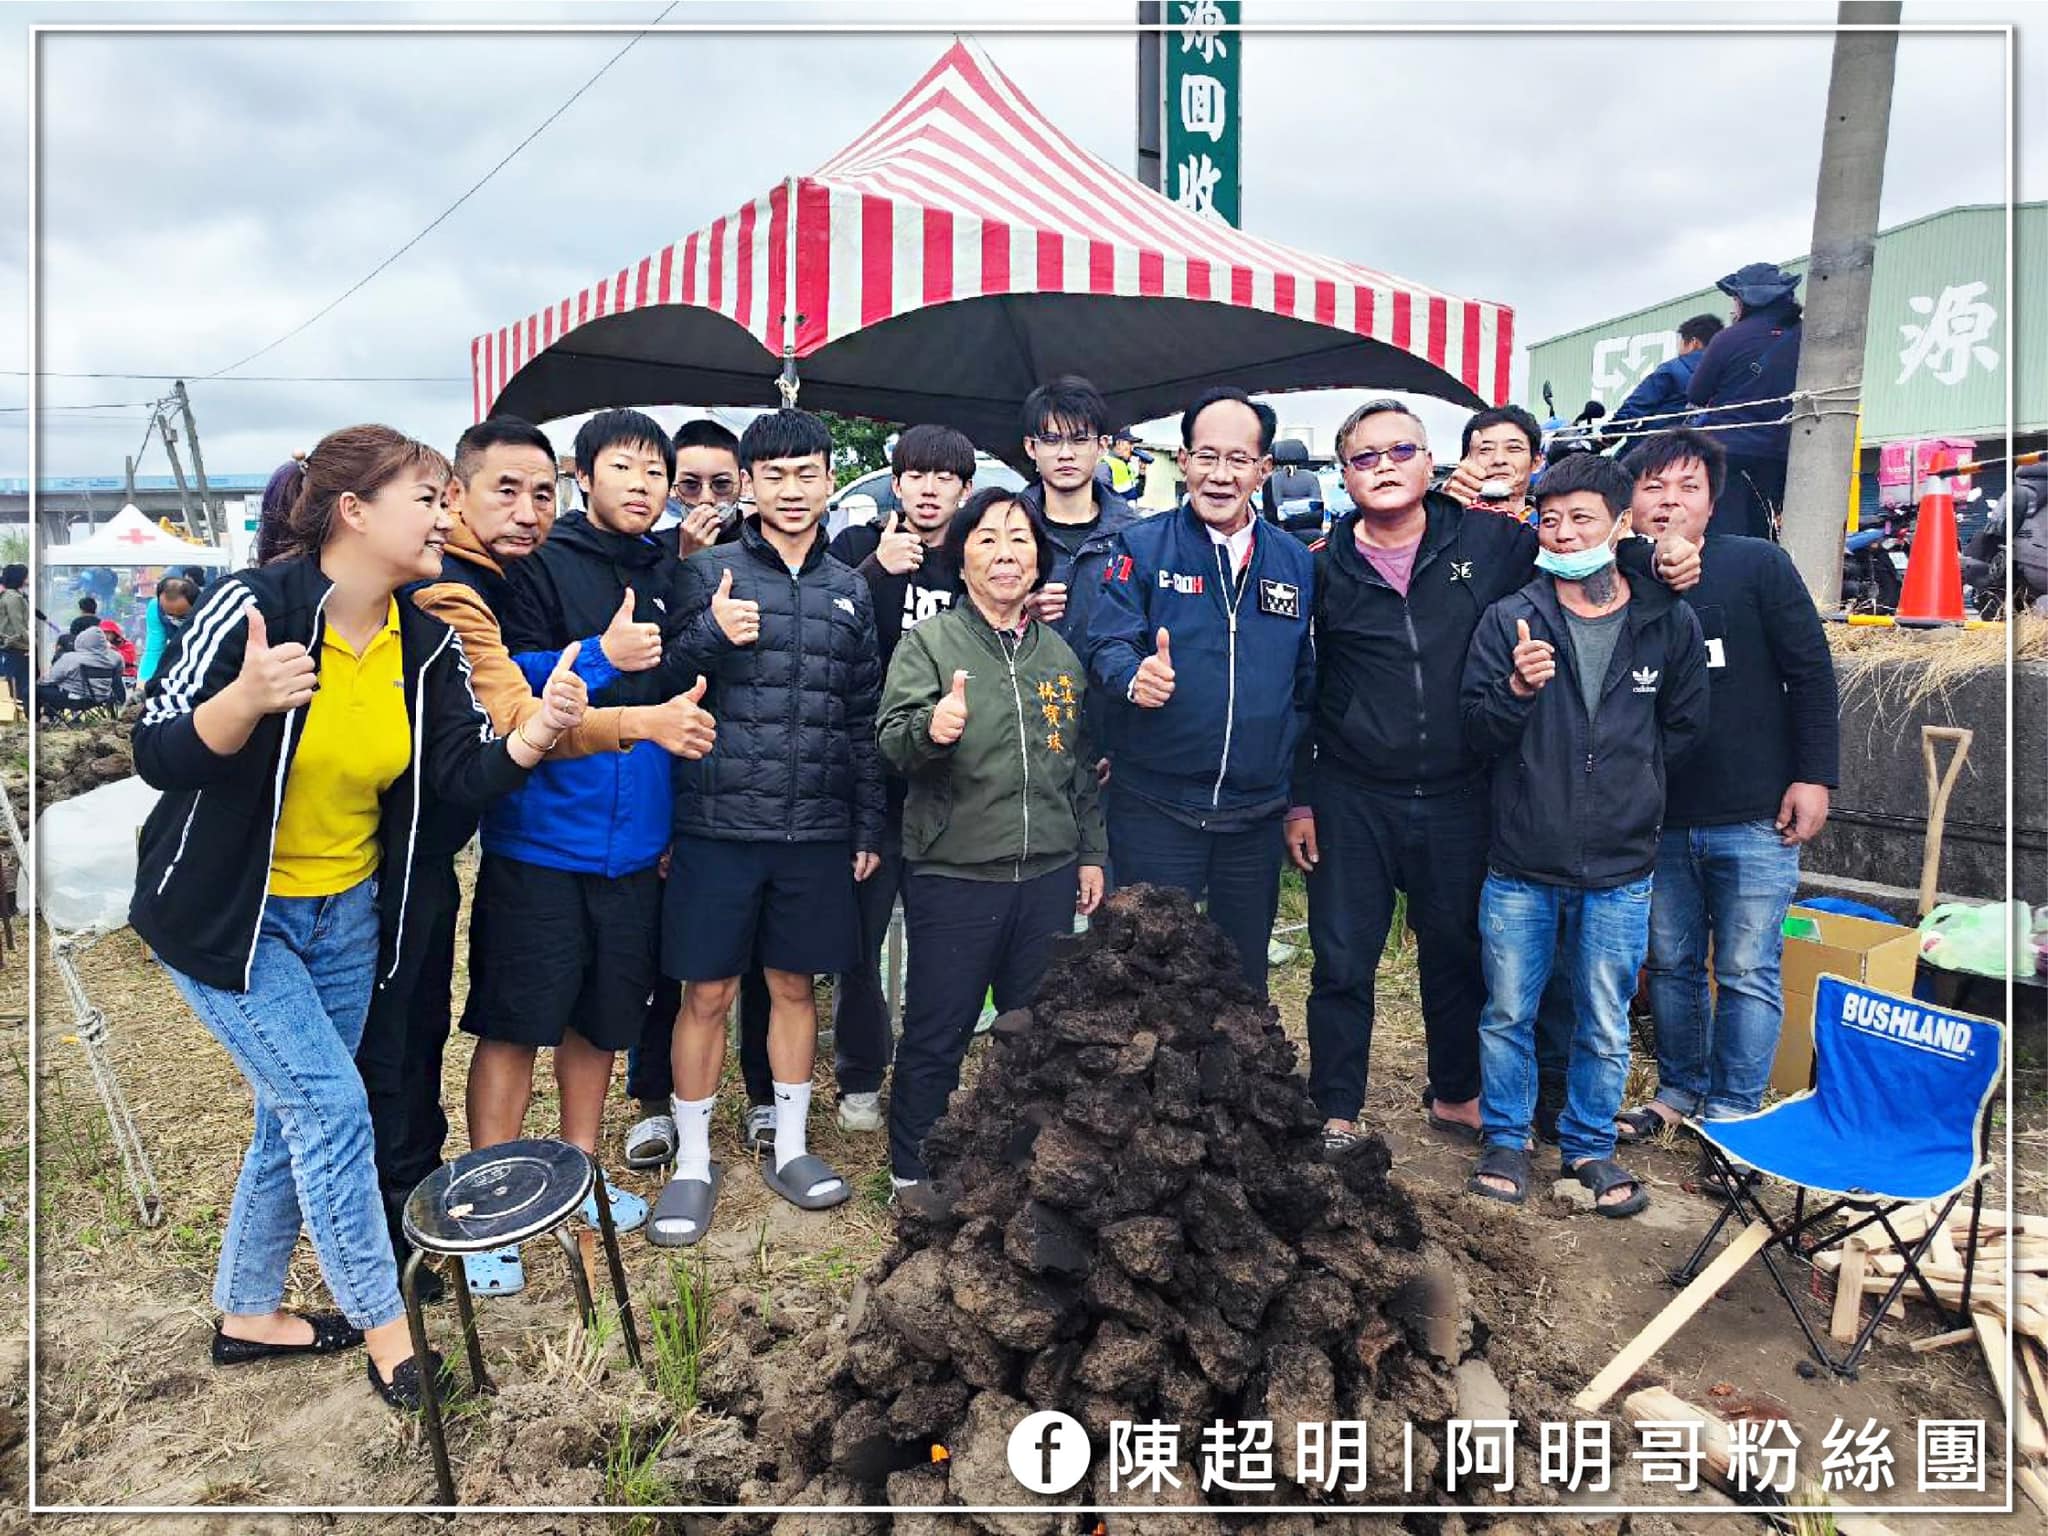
(629, 646)
(900, 551)
(738, 617)
(949, 715)
(1535, 663)
(682, 727)
(1153, 685)
(274, 678)
(563, 697)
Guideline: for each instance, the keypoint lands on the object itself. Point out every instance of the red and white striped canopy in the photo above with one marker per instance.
(960, 251)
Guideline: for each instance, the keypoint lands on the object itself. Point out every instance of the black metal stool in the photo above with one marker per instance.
(488, 1199)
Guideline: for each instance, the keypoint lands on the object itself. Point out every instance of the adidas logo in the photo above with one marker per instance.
(1646, 679)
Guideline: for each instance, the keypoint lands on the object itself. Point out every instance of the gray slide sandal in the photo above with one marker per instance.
(803, 1174)
(684, 1200)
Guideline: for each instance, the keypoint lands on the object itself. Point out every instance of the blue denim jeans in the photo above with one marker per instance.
(1729, 884)
(1604, 935)
(311, 1163)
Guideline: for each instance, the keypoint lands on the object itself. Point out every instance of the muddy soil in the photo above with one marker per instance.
(131, 1413)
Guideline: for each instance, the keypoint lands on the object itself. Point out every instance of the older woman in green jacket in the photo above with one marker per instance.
(1002, 832)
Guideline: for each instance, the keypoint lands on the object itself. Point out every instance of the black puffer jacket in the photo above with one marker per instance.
(796, 757)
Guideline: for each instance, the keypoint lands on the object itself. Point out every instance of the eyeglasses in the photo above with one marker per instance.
(695, 488)
(1056, 441)
(1400, 453)
(1206, 459)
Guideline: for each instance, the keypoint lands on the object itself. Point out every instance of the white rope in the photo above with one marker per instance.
(1744, 405)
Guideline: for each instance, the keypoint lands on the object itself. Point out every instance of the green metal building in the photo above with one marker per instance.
(1943, 332)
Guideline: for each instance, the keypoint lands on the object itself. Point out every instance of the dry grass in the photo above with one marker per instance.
(1906, 668)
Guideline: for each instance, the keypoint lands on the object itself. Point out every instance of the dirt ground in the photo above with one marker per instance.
(131, 1413)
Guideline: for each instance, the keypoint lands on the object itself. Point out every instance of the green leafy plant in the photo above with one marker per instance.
(679, 1329)
(630, 1477)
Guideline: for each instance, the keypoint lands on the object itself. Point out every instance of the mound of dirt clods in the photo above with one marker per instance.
(1131, 1217)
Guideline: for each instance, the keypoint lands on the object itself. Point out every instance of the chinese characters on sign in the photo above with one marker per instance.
(1253, 1456)
(1951, 337)
(1200, 113)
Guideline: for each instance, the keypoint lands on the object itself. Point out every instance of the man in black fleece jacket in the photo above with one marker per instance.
(1737, 811)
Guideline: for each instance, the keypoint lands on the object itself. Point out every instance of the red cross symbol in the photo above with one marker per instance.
(136, 536)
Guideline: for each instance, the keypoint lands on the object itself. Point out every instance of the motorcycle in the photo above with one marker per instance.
(1874, 561)
(2014, 534)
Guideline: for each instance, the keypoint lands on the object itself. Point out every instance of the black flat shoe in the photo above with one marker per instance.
(331, 1333)
(402, 1391)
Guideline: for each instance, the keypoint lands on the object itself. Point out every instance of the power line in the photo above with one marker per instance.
(254, 378)
(112, 405)
(476, 186)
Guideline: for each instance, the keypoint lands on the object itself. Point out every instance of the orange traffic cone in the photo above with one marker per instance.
(1933, 594)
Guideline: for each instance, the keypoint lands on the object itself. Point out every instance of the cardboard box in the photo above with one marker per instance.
(1882, 955)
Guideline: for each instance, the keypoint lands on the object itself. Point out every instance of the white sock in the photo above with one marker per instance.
(792, 1117)
(693, 1137)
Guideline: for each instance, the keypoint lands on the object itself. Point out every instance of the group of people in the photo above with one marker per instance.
(705, 755)
(95, 664)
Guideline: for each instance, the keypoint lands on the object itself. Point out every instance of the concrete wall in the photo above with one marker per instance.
(1877, 830)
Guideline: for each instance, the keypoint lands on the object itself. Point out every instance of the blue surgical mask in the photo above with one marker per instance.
(1578, 564)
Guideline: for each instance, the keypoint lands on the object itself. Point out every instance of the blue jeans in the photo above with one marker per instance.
(1604, 936)
(1730, 884)
(294, 1035)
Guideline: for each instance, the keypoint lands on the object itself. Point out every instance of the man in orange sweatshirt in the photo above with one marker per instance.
(503, 496)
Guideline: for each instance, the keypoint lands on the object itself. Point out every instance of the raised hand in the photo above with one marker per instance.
(682, 727)
(738, 617)
(900, 551)
(1535, 663)
(629, 646)
(1677, 562)
(1048, 604)
(563, 697)
(698, 530)
(274, 678)
(1153, 685)
(949, 715)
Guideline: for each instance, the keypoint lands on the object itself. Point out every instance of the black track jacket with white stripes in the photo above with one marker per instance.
(203, 870)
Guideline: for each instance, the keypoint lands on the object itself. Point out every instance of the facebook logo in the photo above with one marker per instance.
(1049, 1452)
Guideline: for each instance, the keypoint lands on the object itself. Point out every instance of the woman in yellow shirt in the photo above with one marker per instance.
(304, 715)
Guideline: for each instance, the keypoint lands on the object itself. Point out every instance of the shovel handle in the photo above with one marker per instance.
(1940, 784)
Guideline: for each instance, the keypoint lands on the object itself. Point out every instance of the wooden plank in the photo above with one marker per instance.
(1849, 1292)
(2030, 1367)
(1747, 1244)
(2033, 1439)
(1942, 1250)
(1942, 1340)
(2032, 1485)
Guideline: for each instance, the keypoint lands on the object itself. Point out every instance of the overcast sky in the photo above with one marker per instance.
(201, 194)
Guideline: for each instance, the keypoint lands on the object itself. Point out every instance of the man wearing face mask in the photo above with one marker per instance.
(1201, 631)
(1387, 796)
(1581, 691)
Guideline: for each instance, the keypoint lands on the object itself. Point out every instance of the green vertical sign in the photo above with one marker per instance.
(1200, 118)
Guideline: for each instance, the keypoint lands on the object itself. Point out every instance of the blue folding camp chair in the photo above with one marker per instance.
(1899, 1113)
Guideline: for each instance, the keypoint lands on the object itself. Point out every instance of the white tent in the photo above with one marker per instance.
(132, 539)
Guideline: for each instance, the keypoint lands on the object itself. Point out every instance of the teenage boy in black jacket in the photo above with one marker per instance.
(903, 559)
(1579, 752)
(1740, 808)
(1387, 796)
(775, 827)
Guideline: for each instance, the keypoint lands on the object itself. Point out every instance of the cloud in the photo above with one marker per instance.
(201, 194)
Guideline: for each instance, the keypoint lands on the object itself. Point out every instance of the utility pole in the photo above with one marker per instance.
(1837, 310)
(213, 529)
(1151, 89)
(130, 478)
(163, 425)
